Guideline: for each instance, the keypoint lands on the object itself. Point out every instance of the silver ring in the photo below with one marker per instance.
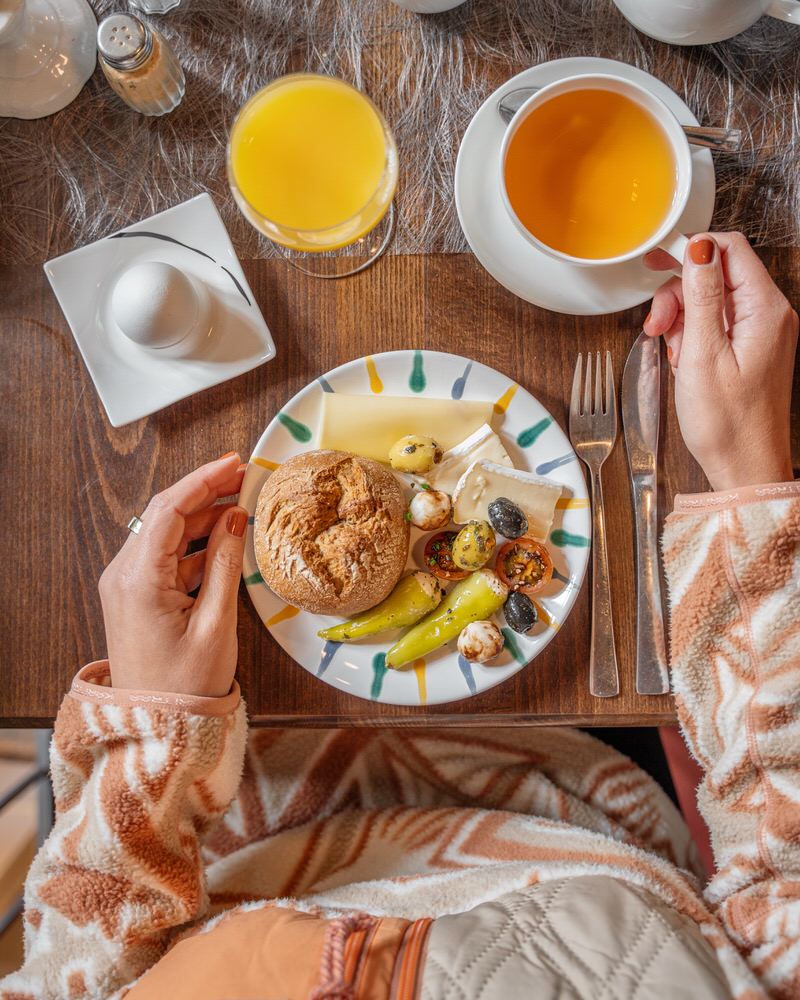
(135, 525)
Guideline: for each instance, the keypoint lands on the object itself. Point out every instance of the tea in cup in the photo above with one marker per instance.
(596, 170)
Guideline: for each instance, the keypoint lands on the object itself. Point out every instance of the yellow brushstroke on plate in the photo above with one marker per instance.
(375, 383)
(504, 401)
(283, 615)
(546, 617)
(419, 670)
(572, 503)
(265, 463)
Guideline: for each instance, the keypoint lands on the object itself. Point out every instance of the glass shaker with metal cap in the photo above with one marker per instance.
(140, 65)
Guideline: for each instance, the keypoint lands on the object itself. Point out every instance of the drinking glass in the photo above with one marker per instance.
(312, 165)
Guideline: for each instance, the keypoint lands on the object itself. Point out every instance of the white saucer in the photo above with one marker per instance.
(48, 51)
(134, 381)
(508, 256)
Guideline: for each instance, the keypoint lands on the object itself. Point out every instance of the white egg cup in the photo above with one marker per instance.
(179, 342)
(225, 335)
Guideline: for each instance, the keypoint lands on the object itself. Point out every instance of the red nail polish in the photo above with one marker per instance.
(669, 355)
(241, 468)
(226, 455)
(701, 251)
(236, 523)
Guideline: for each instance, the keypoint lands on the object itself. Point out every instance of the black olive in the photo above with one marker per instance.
(506, 518)
(520, 612)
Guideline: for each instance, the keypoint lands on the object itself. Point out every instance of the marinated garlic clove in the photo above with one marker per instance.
(429, 510)
(480, 641)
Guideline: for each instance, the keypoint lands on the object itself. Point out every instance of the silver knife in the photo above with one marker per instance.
(641, 411)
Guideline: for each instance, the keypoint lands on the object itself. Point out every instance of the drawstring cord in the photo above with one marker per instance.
(332, 984)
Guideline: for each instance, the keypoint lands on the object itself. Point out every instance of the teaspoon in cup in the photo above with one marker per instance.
(728, 140)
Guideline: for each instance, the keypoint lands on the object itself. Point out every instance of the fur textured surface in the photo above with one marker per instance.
(97, 166)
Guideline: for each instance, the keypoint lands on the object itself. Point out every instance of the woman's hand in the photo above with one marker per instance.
(731, 338)
(159, 638)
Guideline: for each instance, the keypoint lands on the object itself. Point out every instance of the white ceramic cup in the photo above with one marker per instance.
(667, 236)
(699, 22)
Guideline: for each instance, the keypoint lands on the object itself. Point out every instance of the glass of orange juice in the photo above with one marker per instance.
(313, 166)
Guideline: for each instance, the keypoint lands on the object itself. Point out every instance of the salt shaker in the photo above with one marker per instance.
(140, 65)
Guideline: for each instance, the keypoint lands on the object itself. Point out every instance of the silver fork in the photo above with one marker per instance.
(593, 432)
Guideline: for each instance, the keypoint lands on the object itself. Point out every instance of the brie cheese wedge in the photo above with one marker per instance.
(483, 444)
(485, 481)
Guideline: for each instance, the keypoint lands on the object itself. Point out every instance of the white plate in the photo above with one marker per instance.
(535, 442)
(504, 251)
(134, 381)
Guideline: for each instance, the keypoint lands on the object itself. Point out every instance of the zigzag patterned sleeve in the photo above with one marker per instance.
(138, 779)
(733, 569)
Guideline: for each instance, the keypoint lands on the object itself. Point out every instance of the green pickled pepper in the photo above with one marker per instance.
(412, 598)
(474, 599)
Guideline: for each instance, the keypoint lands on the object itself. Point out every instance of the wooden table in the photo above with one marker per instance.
(72, 481)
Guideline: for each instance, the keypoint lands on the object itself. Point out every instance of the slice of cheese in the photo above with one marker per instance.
(486, 481)
(483, 444)
(370, 425)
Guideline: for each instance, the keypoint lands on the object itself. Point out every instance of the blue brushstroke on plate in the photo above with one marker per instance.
(460, 383)
(466, 670)
(560, 577)
(326, 386)
(555, 463)
(329, 650)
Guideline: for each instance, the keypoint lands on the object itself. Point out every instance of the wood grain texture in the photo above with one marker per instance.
(71, 481)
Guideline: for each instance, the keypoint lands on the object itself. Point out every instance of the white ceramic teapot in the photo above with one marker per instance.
(429, 6)
(47, 53)
(698, 22)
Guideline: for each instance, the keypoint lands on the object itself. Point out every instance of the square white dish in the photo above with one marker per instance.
(134, 381)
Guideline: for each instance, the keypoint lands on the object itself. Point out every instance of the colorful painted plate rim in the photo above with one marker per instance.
(448, 677)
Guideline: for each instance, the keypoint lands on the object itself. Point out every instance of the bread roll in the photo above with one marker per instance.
(330, 532)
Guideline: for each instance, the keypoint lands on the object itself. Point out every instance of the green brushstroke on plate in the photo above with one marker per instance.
(560, 537)
(379, 667)
(528, 436)
(254, 578)
(513, 648)
(417, 381)
(300, 432)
